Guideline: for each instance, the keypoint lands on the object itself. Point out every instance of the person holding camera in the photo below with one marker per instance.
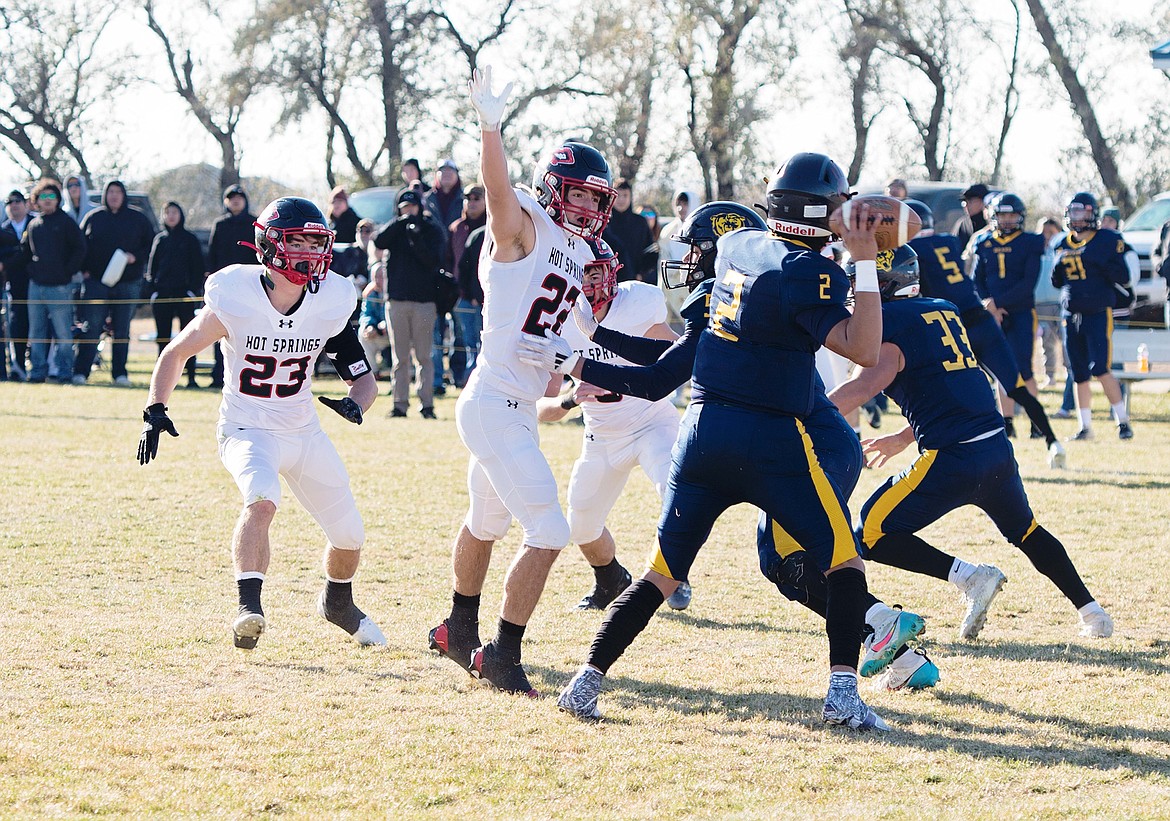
(413, 246)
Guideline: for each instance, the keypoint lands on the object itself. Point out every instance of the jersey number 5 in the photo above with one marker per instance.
(950, 266)
(947, 320)
(561, 292)
(255, 381)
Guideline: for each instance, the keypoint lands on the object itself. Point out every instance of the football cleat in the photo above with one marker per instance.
(506, 676)
(1124, 431)
(888, 637)
(579, 697)
(247, 629)
(979, 590)
(600, 597)
(912, 670)
(367, 633)
(1082, 435)
(844, 706)
(451, 644)
(1097, 625)
(1009, 427)
(1057, 459)
(680, 599)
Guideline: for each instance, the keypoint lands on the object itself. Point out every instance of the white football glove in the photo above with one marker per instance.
(489, 107)
(547, 353)
(583, 316)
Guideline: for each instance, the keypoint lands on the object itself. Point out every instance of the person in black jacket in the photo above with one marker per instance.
(342, 219)
(175, 275)
(115, 226)
(470, 306)
(224, 249)
(53, 249)
(635, 245)
(414, 245)
(14, 284)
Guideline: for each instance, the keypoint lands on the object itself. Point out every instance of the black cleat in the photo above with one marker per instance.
(601, 597)
(1124, 431)
(456, 647)
(506, 676)
(1009, 427)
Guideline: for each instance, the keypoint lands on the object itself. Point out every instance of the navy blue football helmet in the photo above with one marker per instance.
(703, 227)
(924, 213)
(806, 189)
(1083, 213)
(1008, 214)
(897, 273)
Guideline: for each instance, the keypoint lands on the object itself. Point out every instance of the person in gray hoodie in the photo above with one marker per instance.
(77, 203)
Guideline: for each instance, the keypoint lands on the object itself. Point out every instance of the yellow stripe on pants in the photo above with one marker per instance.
(844, 546)
(894, 495)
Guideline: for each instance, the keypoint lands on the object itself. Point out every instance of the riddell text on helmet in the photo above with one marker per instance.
(796, 229)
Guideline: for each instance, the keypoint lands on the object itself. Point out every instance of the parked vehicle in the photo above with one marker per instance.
(1141, 231)
(377, 204)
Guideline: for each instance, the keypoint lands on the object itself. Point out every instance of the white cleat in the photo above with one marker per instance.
(247, 629)
(369, 634)
(983, 586)
(912, 670)
(1097, 625)
(1057, 459)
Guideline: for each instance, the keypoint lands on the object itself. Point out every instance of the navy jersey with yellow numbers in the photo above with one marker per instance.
(1086, 270)
(1008, 268)
(772, 305)
(940, 389)
(940, 272)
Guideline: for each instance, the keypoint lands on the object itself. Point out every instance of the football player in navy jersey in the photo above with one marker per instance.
(927, 366)
(1090, 265)
(664, 366)
(1006, 268)
(774, 302)
(941, 277)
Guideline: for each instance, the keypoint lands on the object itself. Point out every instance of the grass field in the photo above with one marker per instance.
(120, 692)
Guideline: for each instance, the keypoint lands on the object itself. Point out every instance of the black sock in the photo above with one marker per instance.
(1035, 411)
(508, 638)
(339, 606)
(1048, 555)
(609, 576)
(627, 617)
(845, 615)
(1009, 426)
(249, 590)
(908, 552)
(464, 612)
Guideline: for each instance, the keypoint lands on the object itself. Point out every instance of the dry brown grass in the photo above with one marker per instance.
(122, 694)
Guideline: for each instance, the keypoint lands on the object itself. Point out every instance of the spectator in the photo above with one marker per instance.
(115, 226)
(414, 246)
(468, 313)
(1160, 256)
(77, 203)
(444, 202)
(1111, 218)
(372, 322)
(651, 217)
(1048, 300)
(175, 276)
(224, 249)
(974, 220)
(670, 250)
(14, 283)
(343, 219)
(896, 188)
(53, 247)
(635, 244)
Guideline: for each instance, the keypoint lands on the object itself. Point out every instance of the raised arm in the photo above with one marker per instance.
(860, 337)
(511, 230)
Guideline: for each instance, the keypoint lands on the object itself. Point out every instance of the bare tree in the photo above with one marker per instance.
(1011, 98)
(51, 80)
(217, 103)
(1099, 146)
(859, 54)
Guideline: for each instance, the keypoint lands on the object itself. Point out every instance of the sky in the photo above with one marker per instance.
(158, 132)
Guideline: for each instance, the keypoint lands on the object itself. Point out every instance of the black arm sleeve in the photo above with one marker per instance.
(639, 349)
(345, 349)
(672, 369)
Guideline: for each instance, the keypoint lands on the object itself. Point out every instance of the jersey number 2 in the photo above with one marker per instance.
(561, 292)
(255, 381)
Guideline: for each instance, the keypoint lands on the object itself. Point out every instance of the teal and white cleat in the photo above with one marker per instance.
(912, 670)
(888, 637)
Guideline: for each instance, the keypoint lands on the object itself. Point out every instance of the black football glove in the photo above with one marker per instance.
(156, 421)
(346, 408)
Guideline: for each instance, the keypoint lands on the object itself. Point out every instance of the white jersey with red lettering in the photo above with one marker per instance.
(527, 296)
(268, 356)
(635, 309)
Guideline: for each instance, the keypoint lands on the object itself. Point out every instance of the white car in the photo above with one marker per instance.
(1141, 231)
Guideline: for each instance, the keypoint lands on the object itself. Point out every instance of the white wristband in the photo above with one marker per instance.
(865, 276)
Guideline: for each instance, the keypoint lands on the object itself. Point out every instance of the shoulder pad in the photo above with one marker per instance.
(226, 292)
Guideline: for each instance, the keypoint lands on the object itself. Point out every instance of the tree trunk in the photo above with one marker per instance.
(1101, 150)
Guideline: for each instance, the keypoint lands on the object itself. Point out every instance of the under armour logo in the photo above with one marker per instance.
(283, 321)
(512, 403)
(589, 436)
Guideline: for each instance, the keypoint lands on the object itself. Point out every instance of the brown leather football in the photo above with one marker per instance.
(897, 223)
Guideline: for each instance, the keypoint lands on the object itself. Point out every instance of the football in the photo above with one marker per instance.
(897, 223)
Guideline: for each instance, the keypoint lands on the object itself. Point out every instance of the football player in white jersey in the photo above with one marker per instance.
(621, 432)
(275, 319)
(530, 267)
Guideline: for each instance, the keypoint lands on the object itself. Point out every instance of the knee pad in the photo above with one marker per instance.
(346, 533)
(584, 526)
(549, 529)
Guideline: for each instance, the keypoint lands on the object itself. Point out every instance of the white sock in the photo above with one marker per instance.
(329, 578)
(251, 574)
(1119, 412)
(1086, 415)
(842, 678)
(960, 572)
(1090, 608)
(875, 612)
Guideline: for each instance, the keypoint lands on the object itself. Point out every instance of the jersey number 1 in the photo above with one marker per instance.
(534, 324)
